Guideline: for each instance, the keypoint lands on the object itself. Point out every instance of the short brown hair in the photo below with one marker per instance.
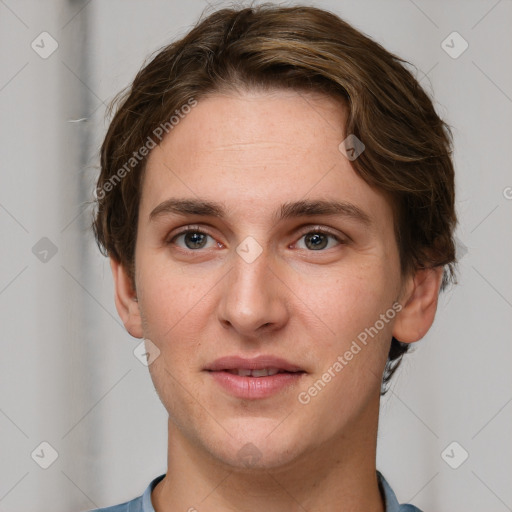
(407, 152)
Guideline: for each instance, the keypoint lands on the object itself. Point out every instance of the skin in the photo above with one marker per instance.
(253, 152)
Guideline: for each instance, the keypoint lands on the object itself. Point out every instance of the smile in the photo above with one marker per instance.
(264, 372)
(256, 378)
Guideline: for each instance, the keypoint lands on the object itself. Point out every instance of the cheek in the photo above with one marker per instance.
(349, 299)
(169, 297)
(174, 313)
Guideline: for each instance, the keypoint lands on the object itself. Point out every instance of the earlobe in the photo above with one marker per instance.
(126, 299)
(419, 305)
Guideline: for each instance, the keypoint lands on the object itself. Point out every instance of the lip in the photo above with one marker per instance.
(253, 388)
(255, 363)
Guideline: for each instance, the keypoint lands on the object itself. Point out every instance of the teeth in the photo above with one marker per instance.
(260, 373)
(264, 372)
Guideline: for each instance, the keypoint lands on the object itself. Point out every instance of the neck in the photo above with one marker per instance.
(338, 476)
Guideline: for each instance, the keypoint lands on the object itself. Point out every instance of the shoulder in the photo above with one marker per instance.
(134, 505)
(390, 498)
(140, 504)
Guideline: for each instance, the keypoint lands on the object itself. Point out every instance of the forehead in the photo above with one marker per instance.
(256, 151)
(278, 123)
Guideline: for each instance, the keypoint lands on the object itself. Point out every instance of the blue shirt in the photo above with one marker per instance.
(143, 503)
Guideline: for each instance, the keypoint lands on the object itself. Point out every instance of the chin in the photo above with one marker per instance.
(250, 457)
(257, 445)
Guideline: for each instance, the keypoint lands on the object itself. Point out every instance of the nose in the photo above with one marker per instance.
(253, 300)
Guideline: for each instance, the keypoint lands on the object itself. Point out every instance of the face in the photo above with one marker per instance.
(259, 249)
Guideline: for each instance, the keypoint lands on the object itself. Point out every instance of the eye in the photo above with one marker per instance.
(193, 239)
(317, 240)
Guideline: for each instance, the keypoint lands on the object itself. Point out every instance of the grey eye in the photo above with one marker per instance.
(195, 240)
(316, 241)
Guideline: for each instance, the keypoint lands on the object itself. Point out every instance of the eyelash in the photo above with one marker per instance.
(306, 231)
(185, 231)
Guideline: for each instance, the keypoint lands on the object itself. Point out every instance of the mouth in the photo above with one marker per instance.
(256, 378)
(260, 366)
(264, 372)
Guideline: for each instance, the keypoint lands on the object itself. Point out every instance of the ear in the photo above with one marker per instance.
(126, 299)
(419, 305)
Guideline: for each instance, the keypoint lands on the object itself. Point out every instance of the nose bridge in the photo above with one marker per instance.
(251, 298)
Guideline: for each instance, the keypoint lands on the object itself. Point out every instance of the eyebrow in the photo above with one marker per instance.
(318, 207)
(188, 207)
(303, 208)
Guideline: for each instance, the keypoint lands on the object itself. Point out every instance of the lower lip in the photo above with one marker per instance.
(255, 387)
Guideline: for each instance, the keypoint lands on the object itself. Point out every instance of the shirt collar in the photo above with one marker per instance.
(390, 502)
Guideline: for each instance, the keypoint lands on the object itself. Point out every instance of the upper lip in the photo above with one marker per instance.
(255, 363)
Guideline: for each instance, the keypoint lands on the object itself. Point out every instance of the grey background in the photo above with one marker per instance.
(68, 373)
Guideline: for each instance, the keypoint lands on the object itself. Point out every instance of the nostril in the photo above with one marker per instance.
(225, 323)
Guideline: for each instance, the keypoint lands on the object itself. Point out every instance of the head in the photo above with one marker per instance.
(241, 124)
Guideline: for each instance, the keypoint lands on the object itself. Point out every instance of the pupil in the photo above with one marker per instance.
(195, 240)
(316, 241)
